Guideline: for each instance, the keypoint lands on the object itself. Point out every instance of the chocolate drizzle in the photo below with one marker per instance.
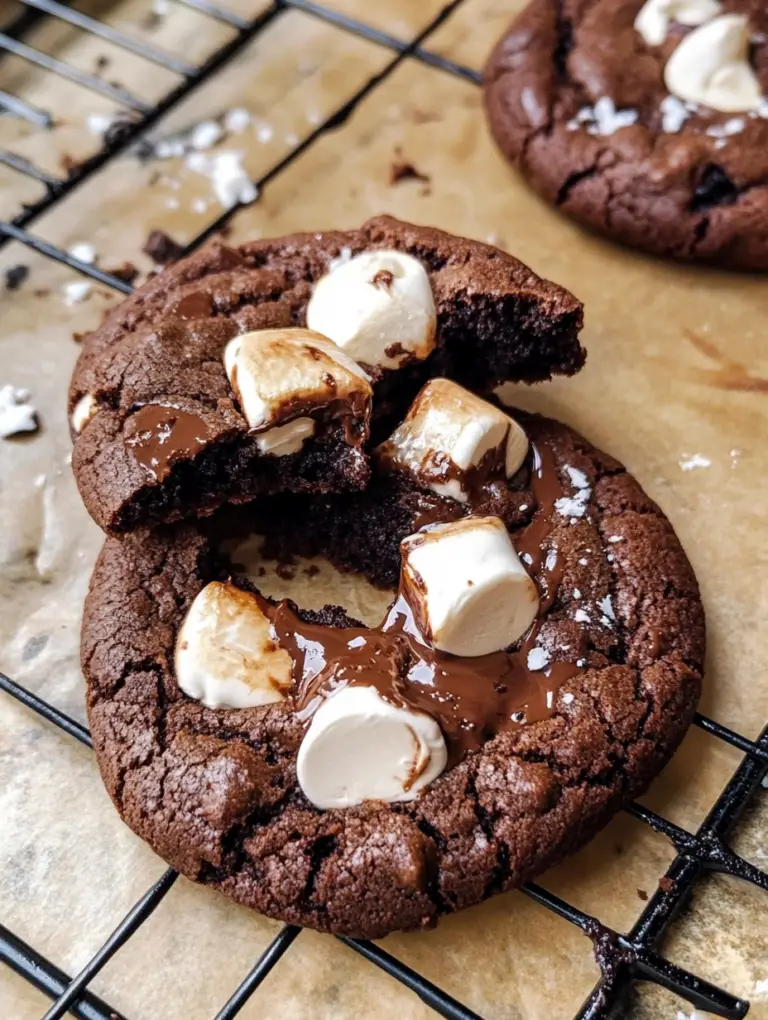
(161, 435)
(472, 699)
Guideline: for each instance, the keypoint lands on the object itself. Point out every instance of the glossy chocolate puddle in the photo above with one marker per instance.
(472, 699)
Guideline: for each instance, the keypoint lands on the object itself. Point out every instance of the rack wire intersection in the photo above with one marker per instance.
(622, 958)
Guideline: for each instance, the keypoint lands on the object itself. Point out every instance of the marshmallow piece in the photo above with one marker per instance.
(277, 372)
(360, 747)
(226, 655)
(448, 434)
(378, 307)
(655, 17)
(711, 66)
(469, 592)
(84, 410)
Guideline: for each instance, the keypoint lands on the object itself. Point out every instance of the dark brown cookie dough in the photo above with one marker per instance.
(215, 791)
(496, 320)
(693, 186)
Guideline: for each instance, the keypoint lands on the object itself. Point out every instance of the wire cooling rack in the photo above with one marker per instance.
(622, 958)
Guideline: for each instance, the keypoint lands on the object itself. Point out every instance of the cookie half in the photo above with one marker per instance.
(215, 791)
(159, 429)
(645, 121)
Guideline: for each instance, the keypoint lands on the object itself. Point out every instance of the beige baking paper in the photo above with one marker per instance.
(676, 386)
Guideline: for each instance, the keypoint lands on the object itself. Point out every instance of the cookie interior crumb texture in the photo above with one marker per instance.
(496, 321)
(624, 137)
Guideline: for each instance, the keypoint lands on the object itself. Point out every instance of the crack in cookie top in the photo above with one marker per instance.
(645, 119)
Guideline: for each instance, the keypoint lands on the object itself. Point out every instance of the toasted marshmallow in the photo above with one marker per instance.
(449, 435)
(378, 307)
(360, 747)
(469, 592)
(655, 17)
(84, 410)
(226, 655)
(711, 66)
(277, 372)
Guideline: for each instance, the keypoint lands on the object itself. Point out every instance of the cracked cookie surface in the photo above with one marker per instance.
(692, 186)
(215, 791)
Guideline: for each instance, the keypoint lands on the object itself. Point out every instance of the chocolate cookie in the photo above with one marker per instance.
(646, 121)
(543, 742)
(175, 408)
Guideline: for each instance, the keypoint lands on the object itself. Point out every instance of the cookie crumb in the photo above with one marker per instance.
(643, 895)
(15, 276)
(162, 248)
(126, 272)
(667, 885)
(400, 170)
(312, 570)
(285, 571)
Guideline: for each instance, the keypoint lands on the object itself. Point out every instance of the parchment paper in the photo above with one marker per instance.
(677, 376)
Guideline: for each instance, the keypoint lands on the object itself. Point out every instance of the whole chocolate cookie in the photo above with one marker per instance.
(586, 717)
(644, 120)
(171, 395)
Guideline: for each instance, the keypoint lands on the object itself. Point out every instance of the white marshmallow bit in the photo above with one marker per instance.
(466, 586)
(226, 655)
(84, 410)
(273, 370)
(654, 19)
(378, 307)
(360, 747)
(711, 67)
(447, 432)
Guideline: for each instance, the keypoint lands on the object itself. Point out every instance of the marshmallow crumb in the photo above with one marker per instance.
(583, 561)
(581, 616)
(674, 113)
(99, 123)
(696, 460)
(568, 697)
(75, 292)
(237, 120)
(264, 134)
(225, 171)
(603, 118)
(206, 134)
(576, 593)
(606, 606)
(734, 126)
(16, 413)
(83, 252)
(551, 561)
(761, 987)
(578, 479)
(615, 538)
(538, 658)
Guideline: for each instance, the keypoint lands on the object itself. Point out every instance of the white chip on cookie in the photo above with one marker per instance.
(468, 591)
(84, 410)
(451, 441)
(361, 747)
(655, 16)
(226, 655)
(285, 379)
(711, 67)
(378, 307)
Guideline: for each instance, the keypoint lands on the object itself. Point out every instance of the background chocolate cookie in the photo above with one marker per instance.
(645, 121)
(159, 431)
(215, 791)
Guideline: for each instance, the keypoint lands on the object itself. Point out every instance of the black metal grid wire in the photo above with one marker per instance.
(622, 958)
